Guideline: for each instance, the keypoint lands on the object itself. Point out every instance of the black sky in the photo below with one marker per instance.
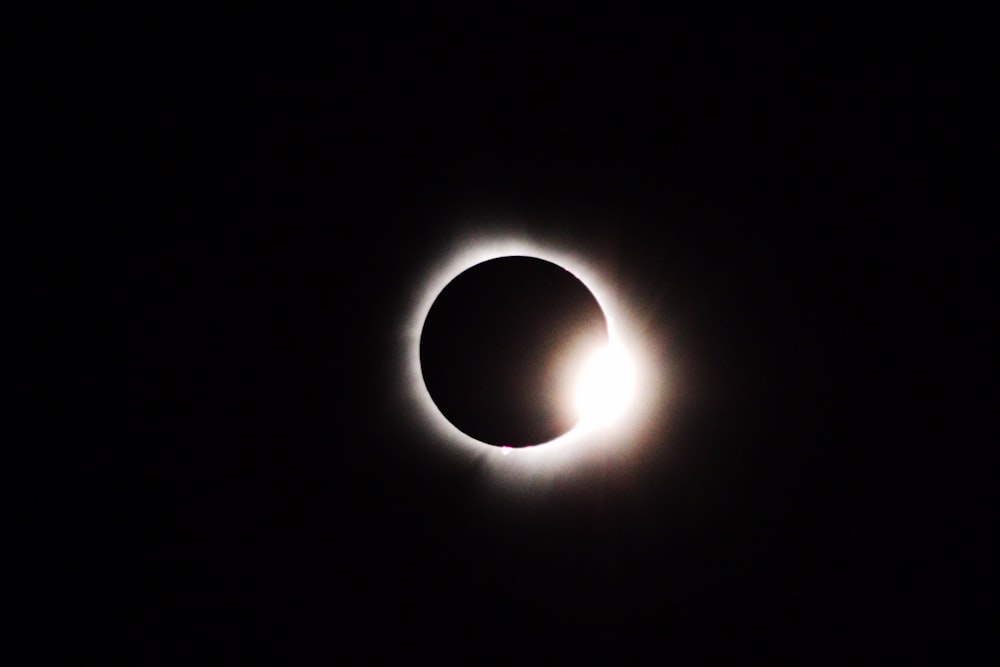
(269, 194)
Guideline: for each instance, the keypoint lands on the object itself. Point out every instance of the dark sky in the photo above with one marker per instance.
(272, 192)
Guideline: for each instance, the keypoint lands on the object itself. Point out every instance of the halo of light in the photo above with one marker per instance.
(612, 430)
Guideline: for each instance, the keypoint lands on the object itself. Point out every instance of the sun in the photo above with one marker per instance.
(616, 389)
(604, 385)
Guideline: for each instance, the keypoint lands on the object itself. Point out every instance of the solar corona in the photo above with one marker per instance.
(601, 383)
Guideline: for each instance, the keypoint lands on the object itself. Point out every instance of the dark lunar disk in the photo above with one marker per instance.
(501, 345)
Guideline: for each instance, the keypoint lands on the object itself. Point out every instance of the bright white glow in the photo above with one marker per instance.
(604, 386)
(620, 395)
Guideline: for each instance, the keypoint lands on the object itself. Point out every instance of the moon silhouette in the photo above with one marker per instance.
(502, 345)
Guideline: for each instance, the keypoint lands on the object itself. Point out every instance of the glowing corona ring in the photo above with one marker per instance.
(616, 391)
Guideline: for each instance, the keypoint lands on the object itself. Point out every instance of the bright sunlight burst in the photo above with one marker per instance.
(605, 385)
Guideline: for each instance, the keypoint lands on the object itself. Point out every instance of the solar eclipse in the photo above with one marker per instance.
(592, 380)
